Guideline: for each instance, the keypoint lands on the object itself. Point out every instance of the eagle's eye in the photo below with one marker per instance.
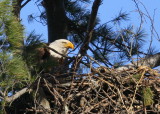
(64, 42)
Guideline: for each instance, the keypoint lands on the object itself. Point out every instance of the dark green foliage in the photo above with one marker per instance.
(16, 67)
(13, 70)
(129, 42)
(34, 61)
(122, 16)
(104, 40)
(32, 43)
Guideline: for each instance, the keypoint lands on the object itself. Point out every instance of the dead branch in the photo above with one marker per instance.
(90, 27)
(17, 94)
(150, 61)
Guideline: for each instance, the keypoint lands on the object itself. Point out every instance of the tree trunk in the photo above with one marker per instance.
(56, 19)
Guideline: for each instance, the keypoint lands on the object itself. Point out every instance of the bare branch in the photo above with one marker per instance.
(151, 61)
(18, 94)
(88, 37)
(57, 52)
(25, 3)
(90, 27)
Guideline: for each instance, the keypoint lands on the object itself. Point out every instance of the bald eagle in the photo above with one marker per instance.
(61, 46)
(54, 53)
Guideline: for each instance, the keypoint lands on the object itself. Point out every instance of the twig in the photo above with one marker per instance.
(25, 3)
(57, 52)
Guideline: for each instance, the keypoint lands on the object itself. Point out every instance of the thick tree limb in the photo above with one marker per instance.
(90, 27)
(88, 37)
(18, 94)
(150, 61)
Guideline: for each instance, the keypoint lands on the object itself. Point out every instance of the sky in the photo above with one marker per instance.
(110, 9)
(107, 11)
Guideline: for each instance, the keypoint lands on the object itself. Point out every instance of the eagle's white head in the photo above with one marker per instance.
(61, 46)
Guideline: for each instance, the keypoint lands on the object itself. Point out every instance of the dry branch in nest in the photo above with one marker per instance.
(105, 90)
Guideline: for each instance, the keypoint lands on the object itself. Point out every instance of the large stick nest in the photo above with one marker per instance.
(105, 90)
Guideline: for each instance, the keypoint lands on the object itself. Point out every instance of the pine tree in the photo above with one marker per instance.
(14, 72)
(25, 89)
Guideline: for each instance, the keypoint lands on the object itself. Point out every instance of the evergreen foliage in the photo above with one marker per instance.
(105, 40)
(31, 55)
(14, 72)
(11, 29)
(32, 43)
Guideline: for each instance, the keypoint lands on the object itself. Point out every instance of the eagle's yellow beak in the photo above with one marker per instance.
(69, 45)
